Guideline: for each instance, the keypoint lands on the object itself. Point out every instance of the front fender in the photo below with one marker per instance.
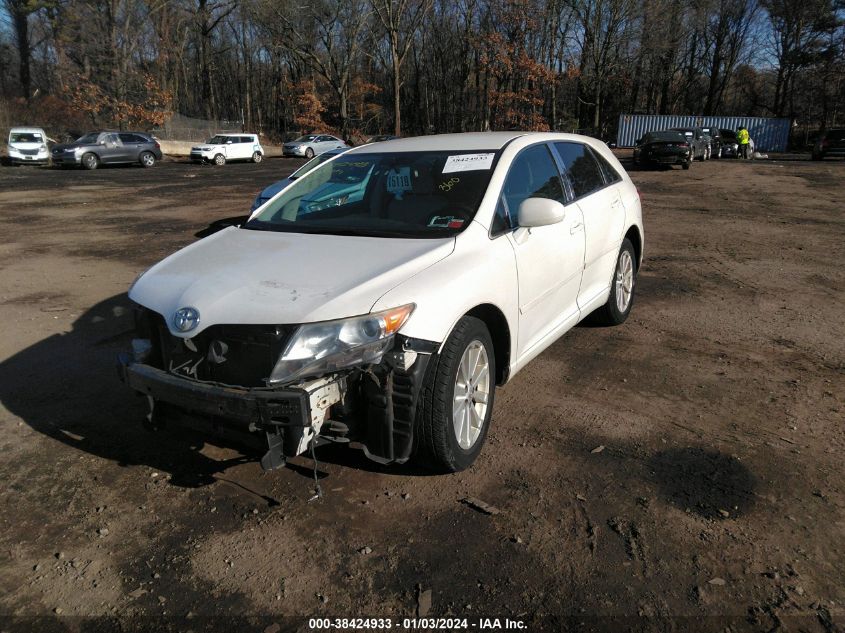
(479, 271)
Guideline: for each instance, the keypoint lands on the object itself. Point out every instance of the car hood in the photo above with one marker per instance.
(27, 145)
(63, 147)
(240, 276)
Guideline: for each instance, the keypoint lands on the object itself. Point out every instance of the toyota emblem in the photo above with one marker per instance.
(186, 319)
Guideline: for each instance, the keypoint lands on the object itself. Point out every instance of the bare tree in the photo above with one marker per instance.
(400, 20)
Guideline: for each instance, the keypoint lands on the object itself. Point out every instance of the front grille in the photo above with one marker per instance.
(238, 355)
(29, 152)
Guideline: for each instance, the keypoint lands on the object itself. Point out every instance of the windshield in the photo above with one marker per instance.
(88, 139)
(674, 137)
(25, 137)
(306, 139)
(311, 164)
(219, 140)
(407, 194)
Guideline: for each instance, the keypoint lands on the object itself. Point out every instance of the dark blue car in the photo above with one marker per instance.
(276, 187)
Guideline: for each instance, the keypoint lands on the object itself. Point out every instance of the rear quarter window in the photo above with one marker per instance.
(581, 168)
(608, 171)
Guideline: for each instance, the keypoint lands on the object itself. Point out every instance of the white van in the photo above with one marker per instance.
(225, 147)
(28, 145)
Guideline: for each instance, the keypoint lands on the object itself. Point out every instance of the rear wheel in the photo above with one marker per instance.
(687, 164)
(624, 282)
(456, 400)
(90, 161)
(219, 159)
(257, 157)
(147, 159)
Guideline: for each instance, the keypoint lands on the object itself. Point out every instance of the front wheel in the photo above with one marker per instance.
(147, 159)
(309, 153)
(456, 399)
(622, 287)
(257, 157)
(90, 161)
(219, 160)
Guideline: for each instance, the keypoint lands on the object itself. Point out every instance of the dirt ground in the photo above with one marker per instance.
(681, 472)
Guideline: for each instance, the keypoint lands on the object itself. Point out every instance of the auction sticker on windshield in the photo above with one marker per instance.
(399, 181)
(468, 162)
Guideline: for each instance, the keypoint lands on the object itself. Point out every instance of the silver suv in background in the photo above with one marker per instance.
(103, 148)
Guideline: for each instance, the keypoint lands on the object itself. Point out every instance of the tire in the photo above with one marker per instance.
(90, 161)
(309, 153)
(719, 153)
(147, 159)
(219, 160)
(624, 276)
(436, 443)
(257, 157)
(686, 165)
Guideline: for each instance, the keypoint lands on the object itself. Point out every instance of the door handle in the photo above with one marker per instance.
(573, 229)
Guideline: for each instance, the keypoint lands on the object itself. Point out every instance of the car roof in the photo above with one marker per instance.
(235, 134)
(445, 142)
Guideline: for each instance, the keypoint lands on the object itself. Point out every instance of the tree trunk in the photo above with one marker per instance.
(20, 19)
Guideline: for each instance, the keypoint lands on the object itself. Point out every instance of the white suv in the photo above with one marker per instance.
(226, 147)
(381, 297)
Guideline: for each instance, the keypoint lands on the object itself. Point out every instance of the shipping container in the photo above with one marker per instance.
(769, 135)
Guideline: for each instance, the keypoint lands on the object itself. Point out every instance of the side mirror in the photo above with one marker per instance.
(535, 212)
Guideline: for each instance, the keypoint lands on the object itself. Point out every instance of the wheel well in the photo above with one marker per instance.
(497, 324)
(633, 235)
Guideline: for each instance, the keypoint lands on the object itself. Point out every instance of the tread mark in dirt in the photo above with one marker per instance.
(630, 535)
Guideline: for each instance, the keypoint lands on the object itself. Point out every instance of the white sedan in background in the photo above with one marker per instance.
(430, 270)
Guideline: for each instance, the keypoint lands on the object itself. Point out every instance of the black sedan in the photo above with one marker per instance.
(101, 148)
(830, 143)
(663, 148)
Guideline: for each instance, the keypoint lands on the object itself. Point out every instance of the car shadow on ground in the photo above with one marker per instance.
(67, 388)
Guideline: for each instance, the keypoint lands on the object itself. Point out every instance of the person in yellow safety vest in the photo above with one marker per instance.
(743, 137)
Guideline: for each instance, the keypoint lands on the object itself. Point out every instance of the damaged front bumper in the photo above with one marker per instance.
(373, 406)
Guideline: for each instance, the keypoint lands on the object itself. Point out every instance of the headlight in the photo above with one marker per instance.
(320, 348)
(77, 150)
(43, 148)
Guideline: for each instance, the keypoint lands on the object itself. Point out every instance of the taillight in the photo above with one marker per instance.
(157, 145)
(683, 145)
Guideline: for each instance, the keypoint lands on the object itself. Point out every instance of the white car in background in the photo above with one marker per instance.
(222, 148)
(311, 145)
(28, 146)
(388, 314)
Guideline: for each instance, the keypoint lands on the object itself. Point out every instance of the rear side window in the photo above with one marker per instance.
(581, 167)
(607, 170)
(532, 175)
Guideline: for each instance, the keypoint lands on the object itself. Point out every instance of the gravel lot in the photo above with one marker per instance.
(681, 472)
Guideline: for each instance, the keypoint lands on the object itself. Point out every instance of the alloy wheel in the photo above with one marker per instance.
(471, 394)
(624, 281)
